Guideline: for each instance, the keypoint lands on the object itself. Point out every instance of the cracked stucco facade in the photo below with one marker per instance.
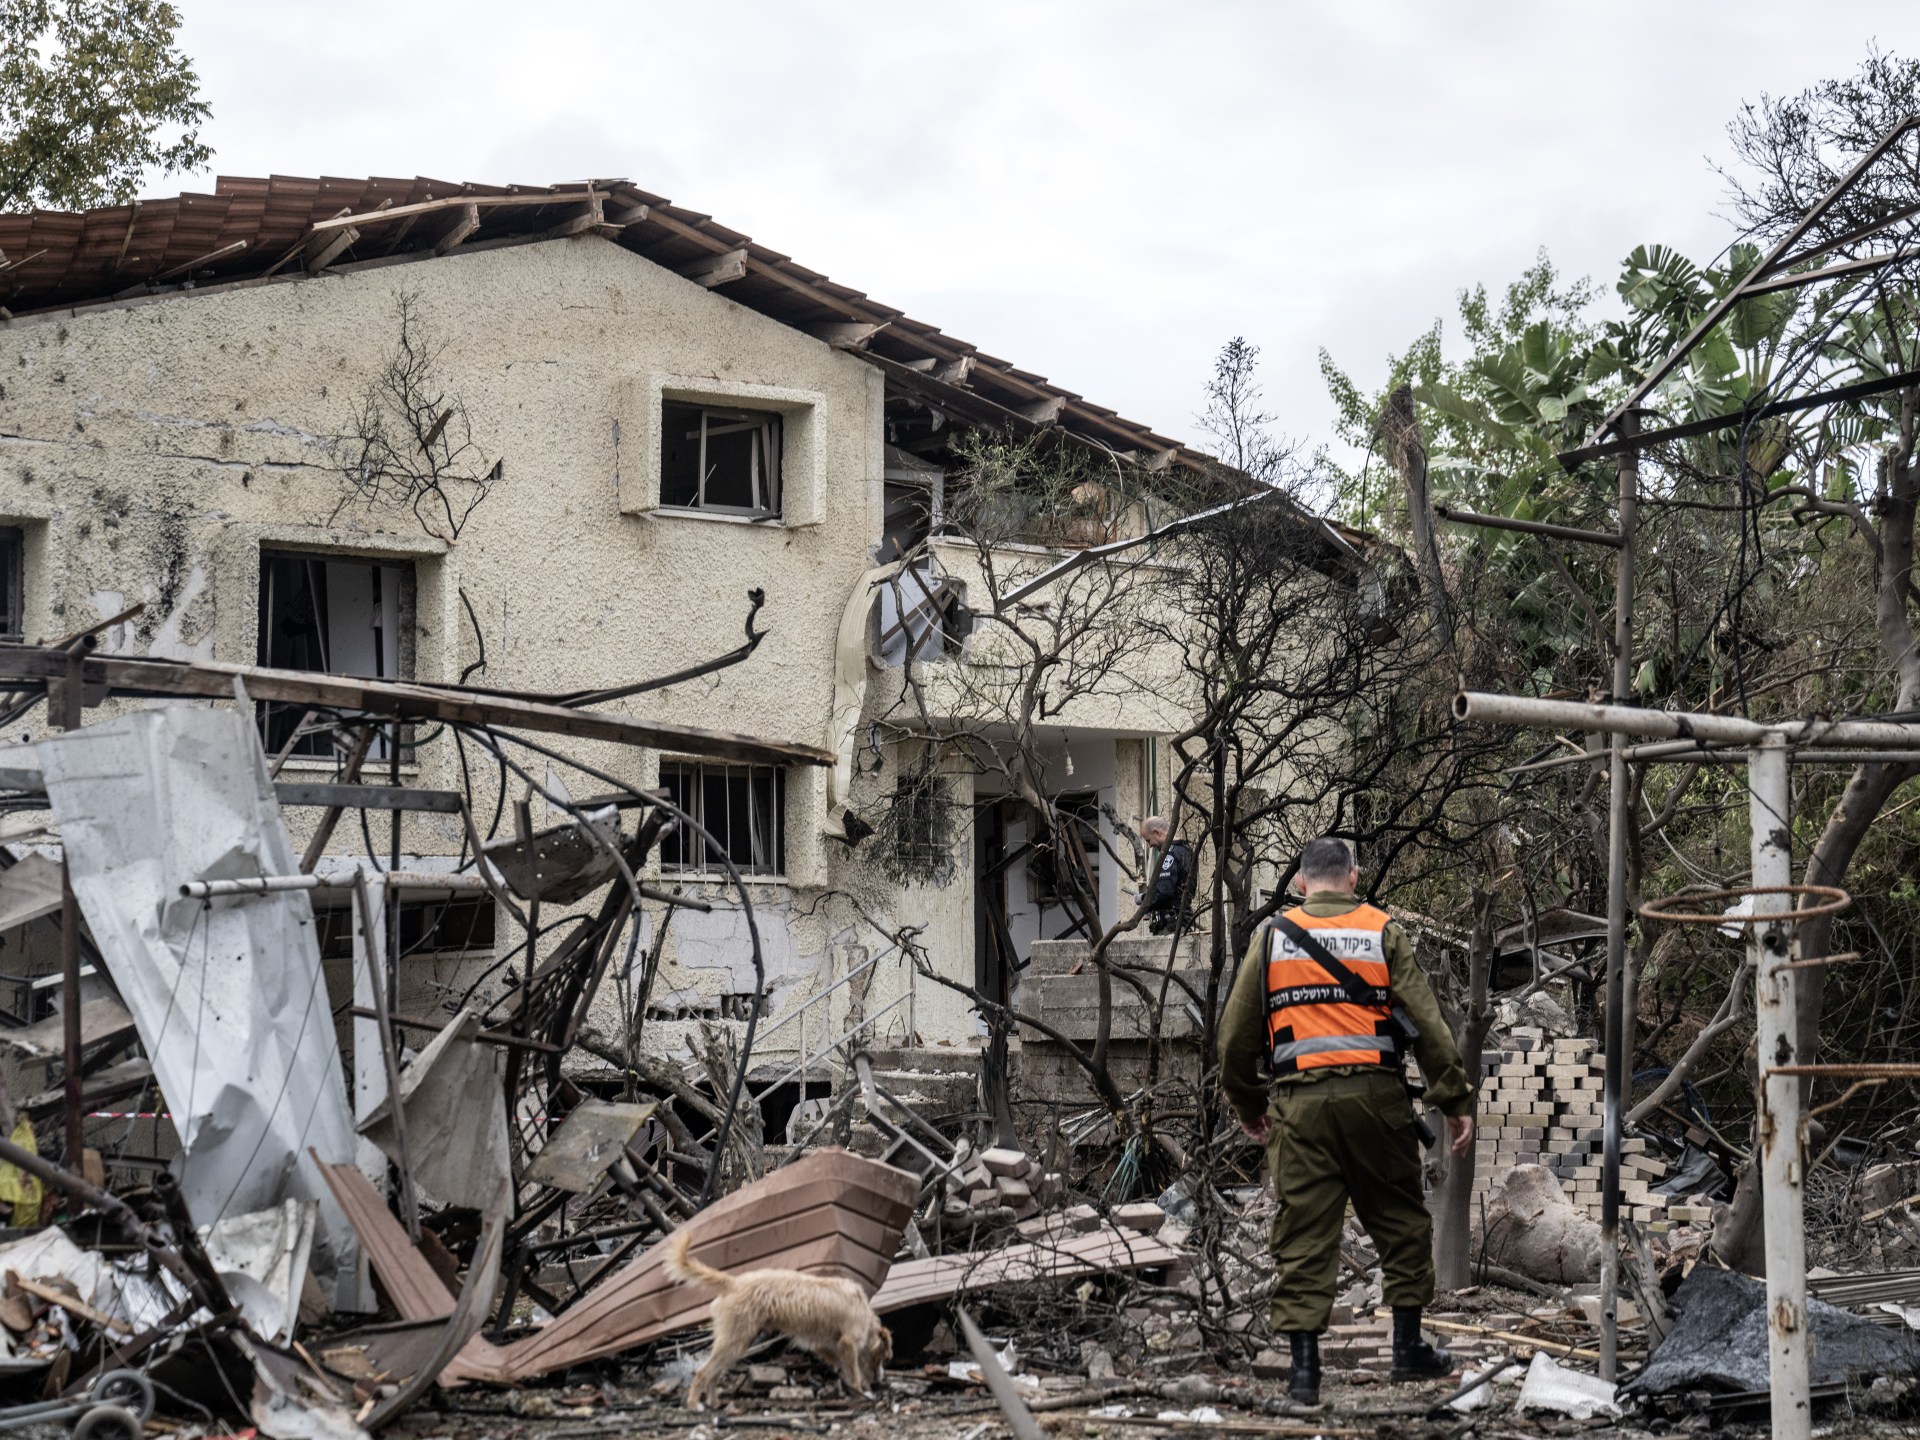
(150, 450)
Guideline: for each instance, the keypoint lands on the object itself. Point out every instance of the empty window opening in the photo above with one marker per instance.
(719, 459)
(340, 617)
(458, 926)
(744, 806)
(13, 583)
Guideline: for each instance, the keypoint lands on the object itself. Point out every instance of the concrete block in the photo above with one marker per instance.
(1146, 1217)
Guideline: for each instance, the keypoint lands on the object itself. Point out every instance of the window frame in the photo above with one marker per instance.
(686, 783)
(406, 607)
(769, 442)
(13, 584)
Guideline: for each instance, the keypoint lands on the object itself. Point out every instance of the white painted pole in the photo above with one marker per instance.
(1771, 949)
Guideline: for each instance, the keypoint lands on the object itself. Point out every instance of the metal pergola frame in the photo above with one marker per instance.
(1766, 749)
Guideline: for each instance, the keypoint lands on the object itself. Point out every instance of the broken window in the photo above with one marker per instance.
(13, 583)
(340, 616)
(920, 614)
(1048, 876)
(719, 459)
(915, 492)
(744, 806)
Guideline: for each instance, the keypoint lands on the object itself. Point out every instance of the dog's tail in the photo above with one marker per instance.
(681, 1265)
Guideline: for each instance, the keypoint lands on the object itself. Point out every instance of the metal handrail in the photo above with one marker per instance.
(813, 1000)
(806, 1060)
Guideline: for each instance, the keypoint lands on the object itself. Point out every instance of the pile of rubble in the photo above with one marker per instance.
(997, 1186)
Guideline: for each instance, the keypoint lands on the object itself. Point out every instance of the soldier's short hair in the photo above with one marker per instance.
(1328, 858)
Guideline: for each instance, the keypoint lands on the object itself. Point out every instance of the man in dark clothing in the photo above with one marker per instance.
(1311, 1051)
(1169, 900)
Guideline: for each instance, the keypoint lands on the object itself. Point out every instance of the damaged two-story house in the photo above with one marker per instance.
(558, 441)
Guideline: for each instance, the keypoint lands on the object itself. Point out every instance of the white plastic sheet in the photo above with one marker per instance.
(1552, 1386)
(228, 996)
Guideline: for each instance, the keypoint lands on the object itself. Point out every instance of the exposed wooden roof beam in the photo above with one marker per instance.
(325, 247)
(845, 334)
(465, 221)
(127, 239)
(587, 217)
(149, 677)
(452, 202)
(722, 267)
(1044, 412)
(207, 259)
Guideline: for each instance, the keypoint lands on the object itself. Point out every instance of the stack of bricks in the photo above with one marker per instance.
(1541, 1104)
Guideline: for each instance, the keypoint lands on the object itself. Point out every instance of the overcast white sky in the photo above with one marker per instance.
(1100, 192)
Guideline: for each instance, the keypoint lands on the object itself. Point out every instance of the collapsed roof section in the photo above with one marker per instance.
(254, 230)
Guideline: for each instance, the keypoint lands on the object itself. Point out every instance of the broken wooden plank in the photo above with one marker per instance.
(941, 1277)
(213, 680)
(103, 1021)
(367, 797)
(30, 887)
(116, 1082)
(722, 268)
(828, 1213)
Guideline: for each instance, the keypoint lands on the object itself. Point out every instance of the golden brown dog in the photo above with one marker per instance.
(830, 1317)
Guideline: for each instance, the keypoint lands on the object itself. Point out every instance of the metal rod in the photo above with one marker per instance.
(1771, 949)
(1675, 724)
(1619, 1014)
(1859, 390)
(1526, 527)
(70, 1020)
(374, 934)
(276, 884)
(1764, 270)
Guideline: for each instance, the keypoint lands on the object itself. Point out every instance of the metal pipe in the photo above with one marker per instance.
(275, 884)
(1527, 527)
(1681, 725)
(73, 1080)
(1770, 950)
(1619, 1014)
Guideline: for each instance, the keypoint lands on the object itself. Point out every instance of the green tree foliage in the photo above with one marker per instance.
(93, 94)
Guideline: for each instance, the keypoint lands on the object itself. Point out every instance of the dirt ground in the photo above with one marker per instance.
(917, 1407)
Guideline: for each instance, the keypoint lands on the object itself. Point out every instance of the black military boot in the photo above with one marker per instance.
(1304, 1384)
(1413, 1357)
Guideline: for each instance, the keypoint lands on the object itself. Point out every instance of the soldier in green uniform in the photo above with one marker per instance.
(1312, 1044)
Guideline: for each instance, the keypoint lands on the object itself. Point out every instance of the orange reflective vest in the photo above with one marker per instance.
(1312, 1019)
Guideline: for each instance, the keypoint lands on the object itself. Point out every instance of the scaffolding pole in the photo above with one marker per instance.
(1619, 1015)
(1772, 950)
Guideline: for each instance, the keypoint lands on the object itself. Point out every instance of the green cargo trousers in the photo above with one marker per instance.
(1345, 1137)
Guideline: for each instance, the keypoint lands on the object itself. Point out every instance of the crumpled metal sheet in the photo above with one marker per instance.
(455, 1103)
(270, 1249)
(228, 996)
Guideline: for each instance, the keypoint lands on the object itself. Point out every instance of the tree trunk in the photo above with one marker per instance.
(1453, 1194)
(1401, 430)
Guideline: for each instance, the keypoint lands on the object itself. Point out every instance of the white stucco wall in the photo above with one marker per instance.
(150, 450)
